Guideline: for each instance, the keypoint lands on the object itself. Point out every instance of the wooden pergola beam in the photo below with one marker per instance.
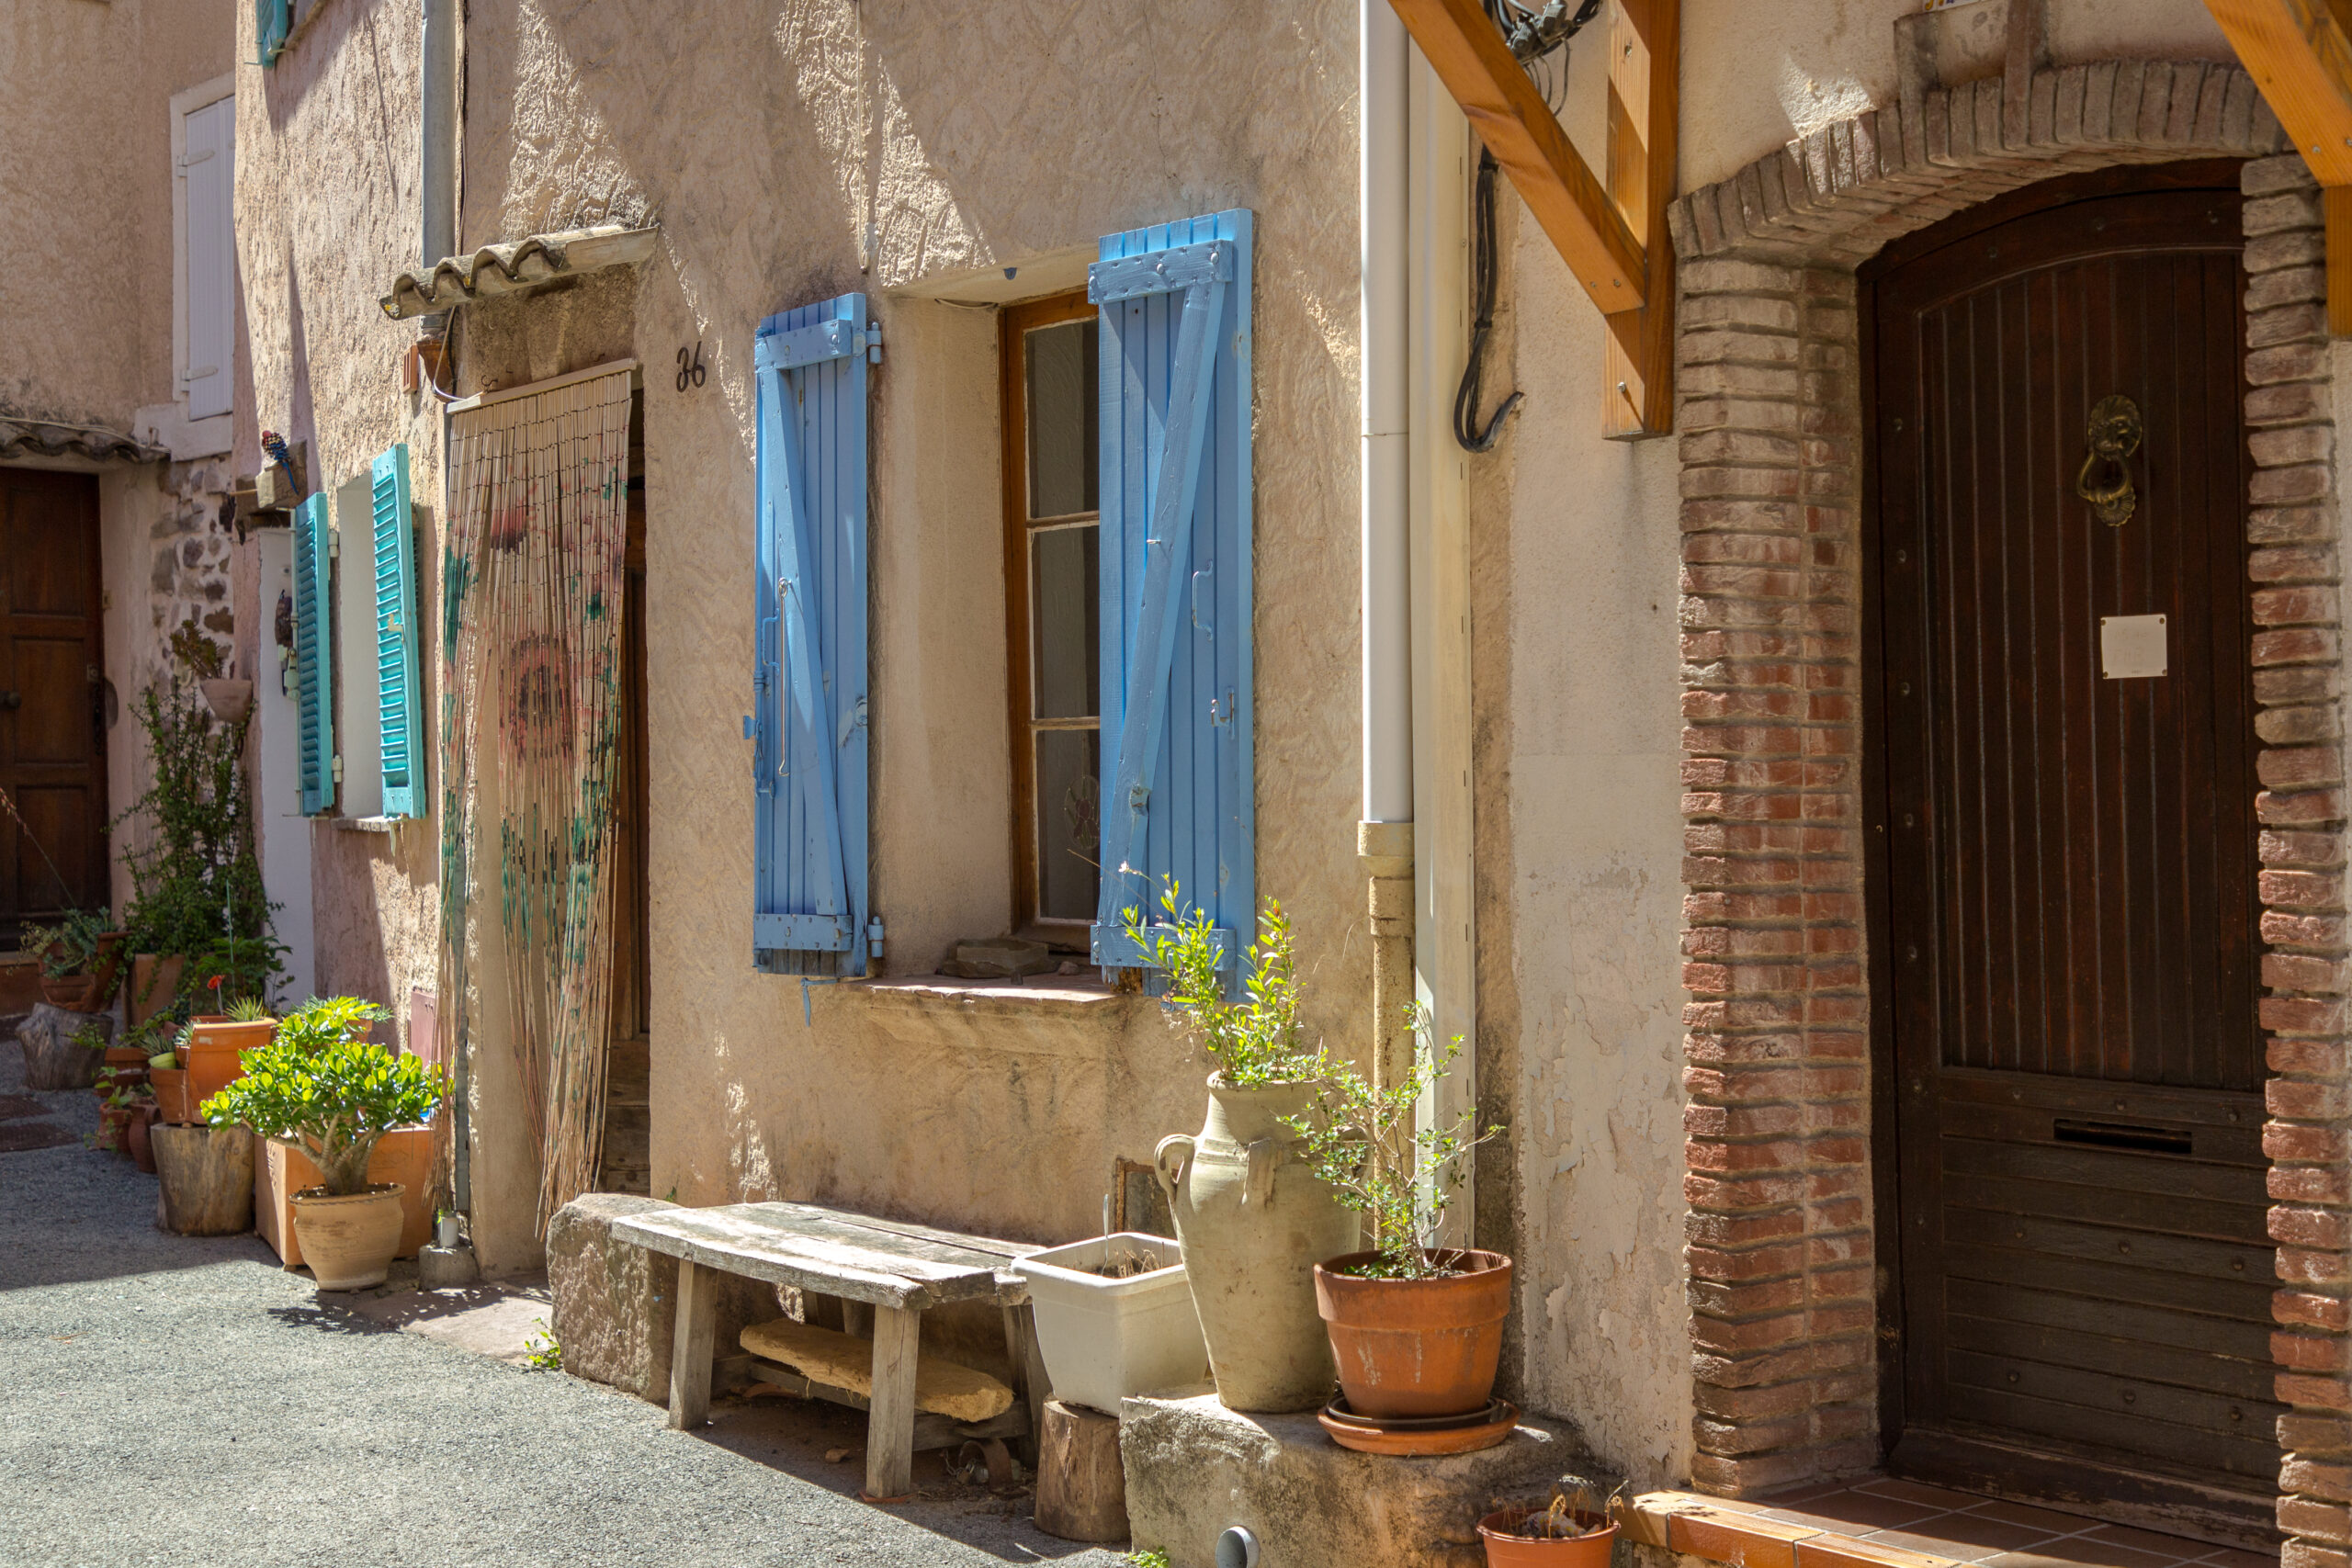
(2299, 54)
(1470, 57)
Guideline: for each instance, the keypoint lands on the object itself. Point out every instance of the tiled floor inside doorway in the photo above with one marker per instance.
(1880, 1522)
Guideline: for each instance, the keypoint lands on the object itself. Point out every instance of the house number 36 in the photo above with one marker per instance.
(690, 370)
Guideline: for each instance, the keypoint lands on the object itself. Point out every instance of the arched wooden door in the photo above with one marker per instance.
(2066, 895)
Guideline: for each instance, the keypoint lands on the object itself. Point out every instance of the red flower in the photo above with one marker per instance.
(215, 982)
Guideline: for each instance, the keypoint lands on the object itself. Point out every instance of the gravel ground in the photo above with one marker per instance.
(175, 1400)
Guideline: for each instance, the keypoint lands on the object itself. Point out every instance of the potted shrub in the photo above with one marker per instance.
(336, 1100)
(79, 958)
(1251, 1216)
(1115, 1317)
(1577, 1529)
(215, 1044)
(1417, 1330)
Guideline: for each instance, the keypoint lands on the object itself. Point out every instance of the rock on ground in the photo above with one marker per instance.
(617, 1305)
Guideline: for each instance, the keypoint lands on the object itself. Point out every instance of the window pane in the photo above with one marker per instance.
(1062, 419)
(1069, 823)
(1064, 614)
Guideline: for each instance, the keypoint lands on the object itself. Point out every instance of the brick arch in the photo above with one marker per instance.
(1782, 1244)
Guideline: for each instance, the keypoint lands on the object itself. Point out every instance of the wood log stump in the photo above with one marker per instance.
(207, 1186)
(1081, 1490)
(51, 1059)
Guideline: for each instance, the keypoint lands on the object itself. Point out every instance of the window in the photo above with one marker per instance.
(1052, 573)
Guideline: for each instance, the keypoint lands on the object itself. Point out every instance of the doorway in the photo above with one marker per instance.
(53, 688)
(2065, 907)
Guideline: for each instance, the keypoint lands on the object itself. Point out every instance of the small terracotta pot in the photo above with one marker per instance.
(114, 1121)
(349, 1242)
(173, 1102)
(126, 1056)
(136, 1133)
(1508, 1549)
(216, 1051)
(1416, 1347)
(74, 992)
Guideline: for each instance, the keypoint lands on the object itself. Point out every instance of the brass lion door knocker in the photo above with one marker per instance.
(2113, 435)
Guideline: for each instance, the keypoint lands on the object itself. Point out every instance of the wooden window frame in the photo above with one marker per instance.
(1014, 325)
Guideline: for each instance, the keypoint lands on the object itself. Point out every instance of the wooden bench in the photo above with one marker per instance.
(893, 1271)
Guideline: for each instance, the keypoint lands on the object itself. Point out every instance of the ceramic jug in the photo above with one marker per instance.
(1253, 1222)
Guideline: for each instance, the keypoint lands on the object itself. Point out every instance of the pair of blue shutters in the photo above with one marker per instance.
(392, 562)
(1175, 498)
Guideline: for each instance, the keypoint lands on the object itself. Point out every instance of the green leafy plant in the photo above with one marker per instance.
(332, 1021)
(542, 1353)
(195, 885)
(198, 651)
(69, 947)
(248, 1009)
(90, 1037)
(1360, 1140)
(336, 1099)
(1154, 1558)
(1254, 1042)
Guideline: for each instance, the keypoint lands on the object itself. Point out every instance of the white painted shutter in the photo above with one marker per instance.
(210, 157)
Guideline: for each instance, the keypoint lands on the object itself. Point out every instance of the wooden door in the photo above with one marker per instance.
(2067, 892)
(53, 737)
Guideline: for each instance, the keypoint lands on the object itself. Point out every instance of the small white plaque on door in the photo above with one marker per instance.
(2131, 647)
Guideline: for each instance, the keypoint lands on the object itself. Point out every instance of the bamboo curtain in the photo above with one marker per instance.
(532, 591)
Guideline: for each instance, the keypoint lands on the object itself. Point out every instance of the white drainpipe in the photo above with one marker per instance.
(1385, 833)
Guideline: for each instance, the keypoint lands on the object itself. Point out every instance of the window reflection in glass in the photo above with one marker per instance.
(1065, 611)
(1069, 823)
(1063, 416)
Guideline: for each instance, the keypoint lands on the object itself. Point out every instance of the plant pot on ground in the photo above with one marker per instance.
(1252, 1219)
(136, 1137)
(78, 958)
(1115, 1317)
(336, 1100)
(1416, 1329)
(1576, 1530)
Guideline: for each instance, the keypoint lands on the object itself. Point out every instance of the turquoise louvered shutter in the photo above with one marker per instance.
(1175, 582)
(395, 552)
(313, 669)
(809, 903)
(273, 20)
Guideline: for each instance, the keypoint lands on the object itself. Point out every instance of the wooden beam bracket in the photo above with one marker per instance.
(2299, 54)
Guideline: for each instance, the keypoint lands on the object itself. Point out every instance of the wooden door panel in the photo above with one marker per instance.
(52, 761)
(2068, 888)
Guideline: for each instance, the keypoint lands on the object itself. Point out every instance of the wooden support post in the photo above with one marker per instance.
(1081, 1487)
(1030, 1383)
(690, 1346)
(1637, 360)
(857, 1319)
(890, 1420)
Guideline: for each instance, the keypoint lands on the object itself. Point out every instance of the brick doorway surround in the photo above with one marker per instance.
(1781, 1252)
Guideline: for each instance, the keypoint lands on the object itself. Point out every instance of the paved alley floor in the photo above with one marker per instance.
(183, 1401)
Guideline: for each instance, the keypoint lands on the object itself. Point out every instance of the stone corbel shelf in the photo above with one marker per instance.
(527, 264)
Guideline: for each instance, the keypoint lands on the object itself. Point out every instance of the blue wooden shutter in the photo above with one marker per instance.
(809, 904)
(314, 653)
(273, 20)
(395, 555)
(1175, 586)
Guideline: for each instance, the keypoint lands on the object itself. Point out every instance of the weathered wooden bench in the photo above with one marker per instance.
(882, 1269)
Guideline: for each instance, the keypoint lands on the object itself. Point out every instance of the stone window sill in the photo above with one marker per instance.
(370, 824)
(1053, 995)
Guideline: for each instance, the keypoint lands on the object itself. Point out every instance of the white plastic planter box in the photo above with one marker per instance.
(1104, 1339)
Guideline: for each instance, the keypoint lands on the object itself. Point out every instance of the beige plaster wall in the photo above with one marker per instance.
(1576, 553)
(873, 156)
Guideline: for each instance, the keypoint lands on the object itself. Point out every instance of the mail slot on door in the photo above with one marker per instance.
(2131, 647)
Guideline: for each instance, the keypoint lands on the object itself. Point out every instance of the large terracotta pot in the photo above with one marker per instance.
(404, 1155)
(1253, 1222)
(74, 992)
(349, 1242)
(216, 1052)
(1505, 1548)
(175, 1105)
(1416, 1347)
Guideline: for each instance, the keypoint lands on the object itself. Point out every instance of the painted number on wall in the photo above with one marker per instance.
(690, 370)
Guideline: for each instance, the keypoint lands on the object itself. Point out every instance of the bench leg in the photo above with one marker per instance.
(1030, 1384)
(690, 1346)
(890, 1420)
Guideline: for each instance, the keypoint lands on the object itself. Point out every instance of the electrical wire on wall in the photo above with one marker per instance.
(1538, 37)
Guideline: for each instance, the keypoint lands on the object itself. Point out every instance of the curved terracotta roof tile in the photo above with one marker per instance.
(514, 269)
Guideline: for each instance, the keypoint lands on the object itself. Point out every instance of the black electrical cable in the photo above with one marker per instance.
(1482, 265)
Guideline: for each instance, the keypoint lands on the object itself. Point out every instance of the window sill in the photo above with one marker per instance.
(371, 824)
(1062, 995)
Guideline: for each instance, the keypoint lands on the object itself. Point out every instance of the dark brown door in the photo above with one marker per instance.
(2068, 878)
(52, 757)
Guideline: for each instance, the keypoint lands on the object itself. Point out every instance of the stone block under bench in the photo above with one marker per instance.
(1194, 1467)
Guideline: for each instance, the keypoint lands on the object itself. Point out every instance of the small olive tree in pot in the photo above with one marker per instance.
(335, 1097)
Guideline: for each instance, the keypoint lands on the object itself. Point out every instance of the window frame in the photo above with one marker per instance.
(1014, 324)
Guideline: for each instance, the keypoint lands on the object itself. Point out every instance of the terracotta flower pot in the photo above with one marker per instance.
(1508, 1549)
(113, 1123)
(74, 992)
(349, 1242)
(1416, 1347)
(228, 700)
(136, 1133)
(215, 1054)
(174, 1104)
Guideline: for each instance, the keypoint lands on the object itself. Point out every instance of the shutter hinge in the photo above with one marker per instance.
(873, 937)
(874, 343)
(188, 160)
(335, 540)
(337, 769)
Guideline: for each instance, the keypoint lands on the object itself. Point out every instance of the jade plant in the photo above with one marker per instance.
(335, 1096)
(1361, 1138)
(1257, 1041)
